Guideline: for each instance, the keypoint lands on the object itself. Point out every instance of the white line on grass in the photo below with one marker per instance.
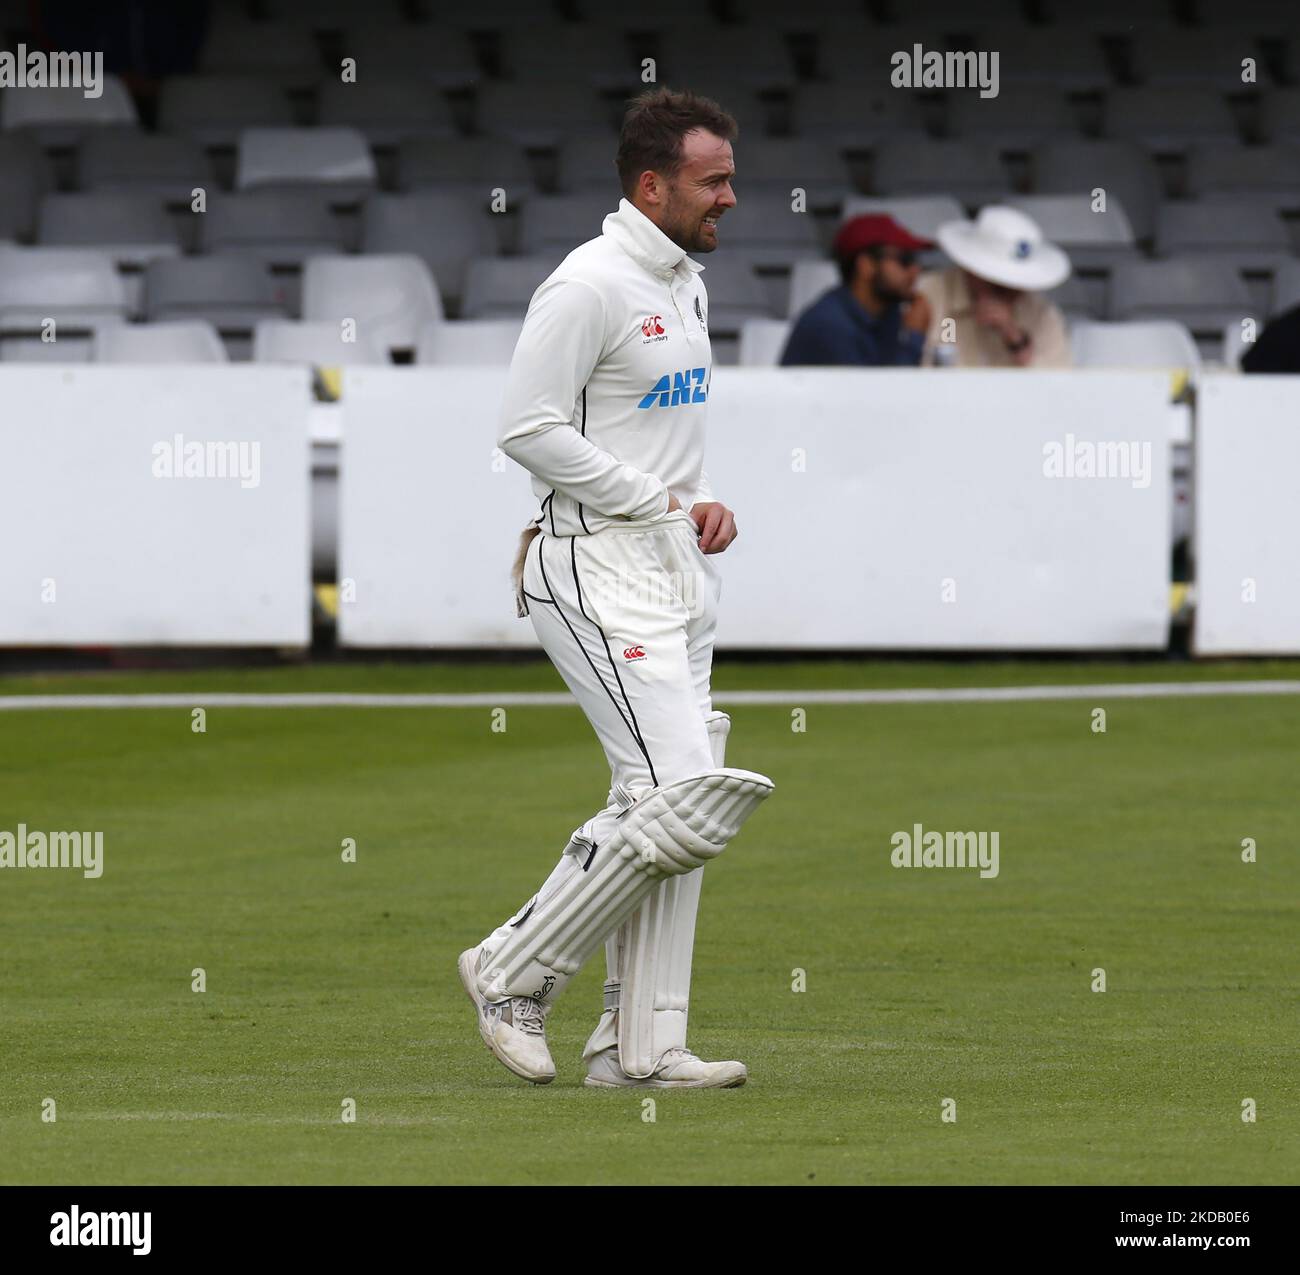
(562, 699)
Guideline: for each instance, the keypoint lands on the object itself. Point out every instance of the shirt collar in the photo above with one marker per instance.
(644, 242)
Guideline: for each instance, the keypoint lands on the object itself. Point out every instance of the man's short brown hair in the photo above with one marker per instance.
(653, 128)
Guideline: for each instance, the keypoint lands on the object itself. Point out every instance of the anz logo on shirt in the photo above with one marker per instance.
(677, 389)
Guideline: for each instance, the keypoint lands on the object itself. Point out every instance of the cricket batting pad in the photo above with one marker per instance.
(648, 959)
(667, 831)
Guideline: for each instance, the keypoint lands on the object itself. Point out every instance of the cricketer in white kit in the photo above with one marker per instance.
(605, 406)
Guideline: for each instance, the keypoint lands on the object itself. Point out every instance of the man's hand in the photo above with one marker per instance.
(717, 525)
(673, 503)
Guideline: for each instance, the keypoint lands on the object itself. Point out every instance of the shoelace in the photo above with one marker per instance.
(526, 1016)
(678, 1054)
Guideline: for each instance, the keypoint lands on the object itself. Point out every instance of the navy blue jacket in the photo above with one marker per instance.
(836, 330)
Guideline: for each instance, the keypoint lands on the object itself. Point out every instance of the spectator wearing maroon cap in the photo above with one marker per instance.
(862, 323)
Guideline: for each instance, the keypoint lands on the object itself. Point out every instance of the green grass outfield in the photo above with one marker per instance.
(328, 981)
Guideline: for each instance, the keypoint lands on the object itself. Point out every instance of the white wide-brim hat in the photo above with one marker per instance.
(1006, 247)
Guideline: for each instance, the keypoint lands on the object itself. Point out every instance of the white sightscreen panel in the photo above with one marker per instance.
(915, 487)
(429, 512)
(902, 509)
(1247, 516)
(98, 548)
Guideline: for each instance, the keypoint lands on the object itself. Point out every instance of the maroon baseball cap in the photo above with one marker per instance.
(873, 230)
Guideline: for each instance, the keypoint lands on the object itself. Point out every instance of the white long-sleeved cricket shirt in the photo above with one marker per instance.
(608, 387)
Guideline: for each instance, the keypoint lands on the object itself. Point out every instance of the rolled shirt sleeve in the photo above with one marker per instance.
(560, 344)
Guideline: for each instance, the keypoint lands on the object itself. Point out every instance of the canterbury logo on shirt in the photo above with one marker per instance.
(678, 389)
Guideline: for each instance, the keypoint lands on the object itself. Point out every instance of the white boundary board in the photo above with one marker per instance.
(98, 549)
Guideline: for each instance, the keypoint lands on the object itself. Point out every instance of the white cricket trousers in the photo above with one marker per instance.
(628, 617)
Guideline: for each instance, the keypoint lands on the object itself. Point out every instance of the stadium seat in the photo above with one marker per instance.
(854, 114)
(25, 175)
(1111, 17)
(390, 297)
(444, 230)
(587, 163)
(735, 294)
(1167, 119)
(231, 293)
(282, 227)
(1265, 174)
(468, 342)
(970, 171)
(502, 287)
(779, 165)
(956, 14)
(850, 51)
(478, 164)
(504, 14)
(754, 57)
(1286, 286)
(337, 158)
(1291, 51)
(1092, 239)
(282, 53)
(1158, 343)
(764, 230)
(215, 109)
(60, 116)
(78, 289)
(1019, 117)
(1120, 168)
(131, 227)
(1250, 234)
(1039, 57)
(183, 341)
(556, 224)
(599, 54)
(680, 12)
(58, 280)
(435, 53)
(1280, 114)
(319, 343)
(1205, 59)
(1267, 18)
(808, 281)
(540, 114)
(329, 15)
(1077, 301)
(384, 109)
(762, 341)
(1202, 292)
(920, 214)
(126, 159)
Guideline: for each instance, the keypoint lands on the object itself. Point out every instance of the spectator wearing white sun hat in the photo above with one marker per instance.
(992, 295)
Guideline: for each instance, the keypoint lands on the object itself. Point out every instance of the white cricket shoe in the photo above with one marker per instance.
(678, 1069)
(514, 1030)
